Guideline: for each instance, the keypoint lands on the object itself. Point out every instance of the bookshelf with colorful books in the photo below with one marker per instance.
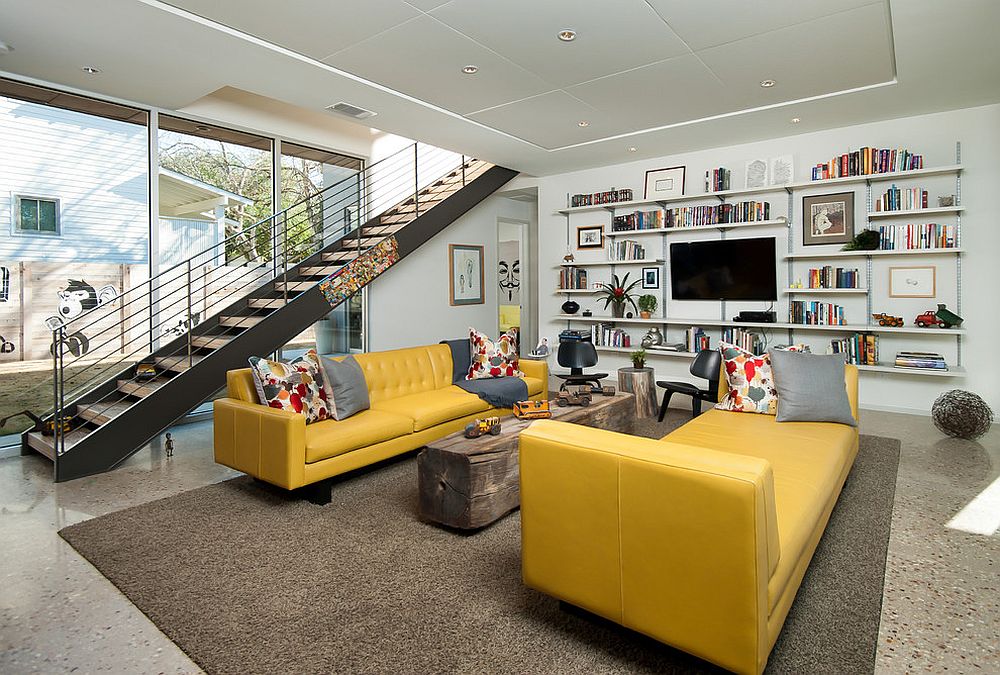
(861, 348)
(868, 161)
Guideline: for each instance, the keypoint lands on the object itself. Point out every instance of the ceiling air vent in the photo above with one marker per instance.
(351, 111)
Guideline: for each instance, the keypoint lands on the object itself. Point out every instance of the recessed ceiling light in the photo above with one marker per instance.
(567, 35)
(470, 69)
(583, 123)
(795, 120)
(90, 70)
(767, 84)
(202, 127)
(632, 148)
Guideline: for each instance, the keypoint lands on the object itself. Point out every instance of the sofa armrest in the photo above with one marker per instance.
(668, 539)
(851, 381)
(535, 368)
(264, 442)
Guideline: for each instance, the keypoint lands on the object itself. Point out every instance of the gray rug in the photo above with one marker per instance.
(245, 580)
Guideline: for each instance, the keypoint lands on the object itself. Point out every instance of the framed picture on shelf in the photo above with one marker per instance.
(781, 170)
(466, 274)
(664, 183)
(590, 236)
(756, 174)
(650, 277)
(913, 282)
(828, 219)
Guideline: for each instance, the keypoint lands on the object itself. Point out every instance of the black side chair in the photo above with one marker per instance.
(577, 355)
(706, 365)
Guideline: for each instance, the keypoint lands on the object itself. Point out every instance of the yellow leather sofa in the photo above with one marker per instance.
(699, 539)
(413, 402)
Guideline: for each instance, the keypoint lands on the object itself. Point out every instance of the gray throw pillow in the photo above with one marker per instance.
(811, 387)
(345, 382)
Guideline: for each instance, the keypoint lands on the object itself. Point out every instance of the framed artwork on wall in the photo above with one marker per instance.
(466, 274)
(590, 236)
(664, 183)
(650, 277)
(756, 174)
(828, 219)
(913, 282)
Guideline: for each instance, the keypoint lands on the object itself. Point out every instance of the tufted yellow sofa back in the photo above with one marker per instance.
(401, 372)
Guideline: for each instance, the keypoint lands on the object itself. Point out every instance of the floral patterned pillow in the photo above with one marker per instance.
(493, 359)
(749, 380)
(296, 386)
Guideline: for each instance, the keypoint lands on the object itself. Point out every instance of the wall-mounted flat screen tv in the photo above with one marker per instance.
(727, 269)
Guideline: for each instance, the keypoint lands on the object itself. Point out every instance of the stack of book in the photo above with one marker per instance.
(915, 237)
(895, 199)
(830, 277)
(868, 161)
(920, 361)
(696, 340)
(675, 347)
(606, 335)
(861, 348)
(739, 212)
(743, 339)
(640, 220)
(717, 180)
(626, 249)
(607, 197)
(815, 313)
(571, 278)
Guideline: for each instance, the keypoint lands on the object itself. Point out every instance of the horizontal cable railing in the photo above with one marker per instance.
(157, 317)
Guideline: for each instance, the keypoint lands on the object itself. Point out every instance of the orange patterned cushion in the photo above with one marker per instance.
(296, 386)
(750, 381)
(493, 359)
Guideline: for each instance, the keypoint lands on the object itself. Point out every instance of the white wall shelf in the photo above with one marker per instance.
(605, 263)
(953, 371)
(942, 210)
(717, 226)
(577, 291)
(863, 254)
(847, 328)
(825, 291)
(649, 352)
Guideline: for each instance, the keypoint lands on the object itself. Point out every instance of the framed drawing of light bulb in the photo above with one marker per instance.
(466, 274)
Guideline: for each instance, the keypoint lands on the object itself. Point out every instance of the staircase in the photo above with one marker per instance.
(247, 295)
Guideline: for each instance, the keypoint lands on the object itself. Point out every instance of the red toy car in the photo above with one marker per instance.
(930, 318)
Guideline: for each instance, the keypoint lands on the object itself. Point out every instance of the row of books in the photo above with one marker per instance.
(861, 348)
(696, 340)
(626, 249)
(867, 161)
(811, 313)
(750, 341)
(640, 220)
(717, 180)
(920, 361)
(738, 212)
(572, 278)
(896, 199)
(606, 335)
(833, 277)
(607, 197)
(917, 237)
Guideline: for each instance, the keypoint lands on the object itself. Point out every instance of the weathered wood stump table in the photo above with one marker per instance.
(468, 483)
(639, 381)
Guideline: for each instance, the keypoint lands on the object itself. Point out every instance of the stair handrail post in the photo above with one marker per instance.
(416, 184)
(59, 437)
(190, 319)
(284, 257)
(56, 347)
(463, 170)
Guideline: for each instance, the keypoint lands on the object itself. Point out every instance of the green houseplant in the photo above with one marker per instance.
(638, 359)
(647, 305)
(619, 293)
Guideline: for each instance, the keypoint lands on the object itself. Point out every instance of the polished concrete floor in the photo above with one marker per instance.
(941, 609)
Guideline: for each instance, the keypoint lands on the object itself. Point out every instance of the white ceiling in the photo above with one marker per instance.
(661, 75)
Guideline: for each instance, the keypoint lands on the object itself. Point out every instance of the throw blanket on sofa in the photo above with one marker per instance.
(499, 392)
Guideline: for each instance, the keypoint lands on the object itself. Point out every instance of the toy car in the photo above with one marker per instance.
(606, 390)
(884, 319)
(930, 318)
(565, 398)
(487, 425)
(532, 410)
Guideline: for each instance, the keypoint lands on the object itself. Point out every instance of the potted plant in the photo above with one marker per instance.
(617, 294)
(638, 359)
(647, 305)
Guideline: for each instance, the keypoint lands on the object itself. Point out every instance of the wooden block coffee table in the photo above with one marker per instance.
(468, 483)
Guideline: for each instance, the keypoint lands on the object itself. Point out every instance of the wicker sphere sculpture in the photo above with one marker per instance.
(961, 414)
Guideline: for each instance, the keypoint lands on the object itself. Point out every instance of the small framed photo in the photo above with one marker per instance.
(828, 219)
(650, 277)
(913, 282)
(466, 274)
(590, 236)
(664, 183)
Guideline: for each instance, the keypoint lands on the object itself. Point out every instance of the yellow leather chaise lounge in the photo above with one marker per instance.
(413, 402)
(700, 539)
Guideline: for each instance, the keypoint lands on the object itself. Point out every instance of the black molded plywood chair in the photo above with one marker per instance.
(706, 365)
(577, 355)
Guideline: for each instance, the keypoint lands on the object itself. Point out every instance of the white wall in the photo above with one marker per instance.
(932, 135)
(409, 304)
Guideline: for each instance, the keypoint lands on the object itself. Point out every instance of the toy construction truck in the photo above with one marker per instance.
(532, 410)
(884, 319)
(486, 425)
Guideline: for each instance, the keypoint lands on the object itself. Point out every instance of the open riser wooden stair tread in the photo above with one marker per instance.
(102, 411)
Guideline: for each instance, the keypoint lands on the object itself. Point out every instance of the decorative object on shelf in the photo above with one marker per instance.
(576, 396)
(638, 359)
(961, 414)
(664, 183)
(590, 236)
(945, 201)
(647, 305)
(782, 170)
(651, 278)
(828, 219)
(913, 282)
(865, 240)
(652, 338)
(756, 174)
(587, 312)
(889, 320)
(619, 293)
(629, 315)
(479, 427)
(570, 307)
(542, 348)
(466, 274)
(942, 317)
(568, 258)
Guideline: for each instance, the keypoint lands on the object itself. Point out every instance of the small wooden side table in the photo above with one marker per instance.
(639, 382)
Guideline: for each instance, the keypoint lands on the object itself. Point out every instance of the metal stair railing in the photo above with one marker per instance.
(171, 314)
